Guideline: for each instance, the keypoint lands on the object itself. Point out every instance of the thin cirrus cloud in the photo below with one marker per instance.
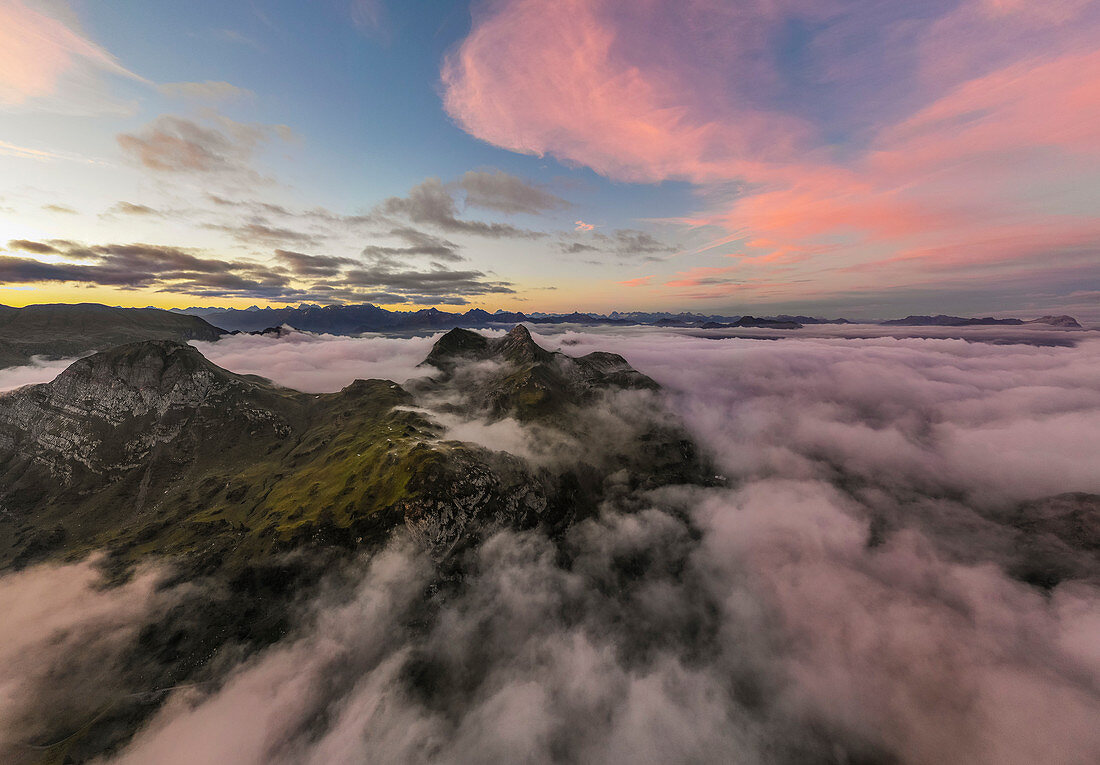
(950, 136)
(38, 52)
(123, 207)
(63, 209)
(215, 91)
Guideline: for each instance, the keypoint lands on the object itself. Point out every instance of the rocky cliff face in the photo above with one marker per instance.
(106, 412)
(458, 498)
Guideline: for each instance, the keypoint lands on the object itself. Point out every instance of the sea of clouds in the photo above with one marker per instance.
(852, 594)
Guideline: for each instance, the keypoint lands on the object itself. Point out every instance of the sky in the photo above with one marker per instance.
(839, 157)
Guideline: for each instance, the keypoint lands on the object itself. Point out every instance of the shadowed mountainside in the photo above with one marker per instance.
(1066, 322)
(63, 330)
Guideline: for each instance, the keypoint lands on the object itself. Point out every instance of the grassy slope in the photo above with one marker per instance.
(236, 493)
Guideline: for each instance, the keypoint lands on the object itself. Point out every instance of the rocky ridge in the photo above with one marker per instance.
(518, 378)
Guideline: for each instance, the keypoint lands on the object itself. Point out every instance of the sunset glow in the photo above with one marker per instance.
(560, 155)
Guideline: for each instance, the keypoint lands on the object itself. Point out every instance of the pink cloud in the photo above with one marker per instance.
(582, 226)
(715, 282)
(972, 136)
(641, 281)
(616, 99)
(701, 275)
(36, 51)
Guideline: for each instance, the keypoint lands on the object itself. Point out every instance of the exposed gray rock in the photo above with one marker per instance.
(108, 410)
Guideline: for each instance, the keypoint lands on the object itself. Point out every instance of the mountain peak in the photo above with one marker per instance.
(114, 408)
(150, 377)
(533, 382)
(453, 344)
(519, 347)
(1057, 321)
(149, 366)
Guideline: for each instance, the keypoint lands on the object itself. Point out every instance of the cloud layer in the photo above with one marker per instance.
(854, 594)
(320, 363)
(383, 274)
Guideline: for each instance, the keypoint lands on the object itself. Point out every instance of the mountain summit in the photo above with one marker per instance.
(515, 376)
(114, 409)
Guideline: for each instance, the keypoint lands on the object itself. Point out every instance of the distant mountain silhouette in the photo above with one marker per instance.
(958, 321)
(65, 330)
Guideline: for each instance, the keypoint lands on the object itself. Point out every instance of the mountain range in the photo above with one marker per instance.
(365, 317)
(958, 321)
(66, 331)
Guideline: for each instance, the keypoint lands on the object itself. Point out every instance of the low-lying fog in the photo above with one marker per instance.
(853, 594)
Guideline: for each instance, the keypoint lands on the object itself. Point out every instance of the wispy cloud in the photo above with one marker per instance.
(966, 131)
(176, 144)
(208, 91)
(627, 243)
(38, 53)
(497, 190)
(26, 152)
(432, 203)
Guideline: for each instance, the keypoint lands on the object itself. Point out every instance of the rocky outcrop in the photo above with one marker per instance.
(513, 376)
(106, 412)
(469, 495)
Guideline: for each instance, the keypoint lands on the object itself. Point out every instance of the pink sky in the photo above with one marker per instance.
(955, 143)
